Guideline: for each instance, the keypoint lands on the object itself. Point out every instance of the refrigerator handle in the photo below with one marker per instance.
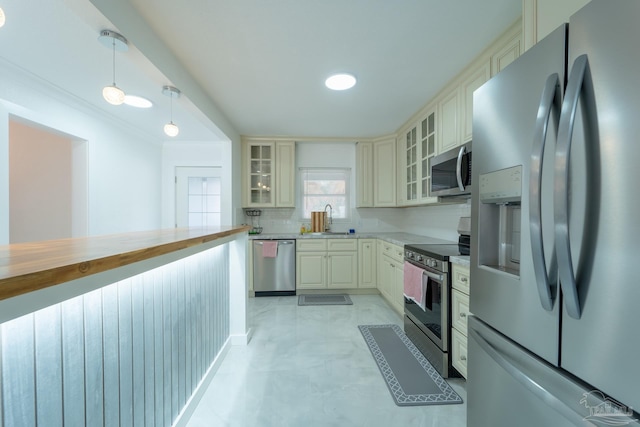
(561, 184)
(459, 169)
(550, 103)
(516, 369)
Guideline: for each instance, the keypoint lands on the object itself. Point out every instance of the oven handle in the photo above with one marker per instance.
(437, 277)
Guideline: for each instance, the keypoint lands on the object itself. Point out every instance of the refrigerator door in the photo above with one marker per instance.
(516, 301)
(530, 392)
(599, 338)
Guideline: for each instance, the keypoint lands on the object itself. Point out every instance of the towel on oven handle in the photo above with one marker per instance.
(415, 287)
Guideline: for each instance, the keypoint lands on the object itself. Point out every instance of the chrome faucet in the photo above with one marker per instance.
(328, 220)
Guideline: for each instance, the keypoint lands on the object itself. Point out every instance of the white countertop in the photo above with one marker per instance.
(461, 260)
(399, 238)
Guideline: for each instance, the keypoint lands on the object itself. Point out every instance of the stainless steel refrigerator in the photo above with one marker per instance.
(555, 293)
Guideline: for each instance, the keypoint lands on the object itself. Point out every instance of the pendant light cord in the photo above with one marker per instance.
(114, 61)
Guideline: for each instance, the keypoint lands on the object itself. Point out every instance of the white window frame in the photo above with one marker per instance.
(337, 214)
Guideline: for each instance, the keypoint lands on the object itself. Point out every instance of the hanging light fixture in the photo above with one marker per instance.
(2, 17)
(171, 129)
(113, 94)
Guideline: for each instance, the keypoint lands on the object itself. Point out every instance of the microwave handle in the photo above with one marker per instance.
(459, 169)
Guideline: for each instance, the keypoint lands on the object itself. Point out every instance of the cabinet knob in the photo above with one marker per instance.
(463, 358)
(463, 315)
(463, 279)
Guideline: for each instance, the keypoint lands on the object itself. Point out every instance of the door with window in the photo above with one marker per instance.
(198, 194)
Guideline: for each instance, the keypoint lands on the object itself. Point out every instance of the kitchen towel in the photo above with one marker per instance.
(414, 286)
(269, 249)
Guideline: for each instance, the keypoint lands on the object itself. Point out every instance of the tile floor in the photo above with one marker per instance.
(309, 366)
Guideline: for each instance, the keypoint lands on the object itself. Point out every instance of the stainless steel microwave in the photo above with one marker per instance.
(451, 172)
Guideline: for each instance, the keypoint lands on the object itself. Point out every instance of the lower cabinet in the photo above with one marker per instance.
(459, 314)
(391, 274)
(326, 263)
(367, 258)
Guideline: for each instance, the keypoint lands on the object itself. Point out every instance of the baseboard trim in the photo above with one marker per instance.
(194, 400)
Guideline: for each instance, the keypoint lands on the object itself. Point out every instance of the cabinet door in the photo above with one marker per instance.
(398, 290)
(506, 55)
(449, 127)
(459, 352)
(311, 270)
(342, 271)
(469, 85)
(384, 155)
(459, 310)
(364, 175)
(366, 263)
(379, 264)
(285, 174)
(259, 170)
(410, 165)
(427, 150)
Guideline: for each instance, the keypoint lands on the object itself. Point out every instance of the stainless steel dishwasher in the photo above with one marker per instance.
(274, 267)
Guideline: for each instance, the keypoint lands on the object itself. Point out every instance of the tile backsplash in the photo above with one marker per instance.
(439, 221)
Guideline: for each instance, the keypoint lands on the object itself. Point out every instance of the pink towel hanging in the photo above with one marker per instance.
(414, 285)
(269, 249)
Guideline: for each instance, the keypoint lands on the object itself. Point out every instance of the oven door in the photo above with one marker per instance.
(433, 319)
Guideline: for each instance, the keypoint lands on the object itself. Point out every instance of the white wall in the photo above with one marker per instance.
(196, 154)
(124, 166)
(40, 184)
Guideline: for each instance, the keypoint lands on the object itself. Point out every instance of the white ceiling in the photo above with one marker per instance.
(263, 62)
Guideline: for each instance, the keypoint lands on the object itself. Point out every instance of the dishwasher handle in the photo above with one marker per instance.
(283, 242)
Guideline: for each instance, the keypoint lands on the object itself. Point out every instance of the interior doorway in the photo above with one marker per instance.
(198, 196)
(47, 183)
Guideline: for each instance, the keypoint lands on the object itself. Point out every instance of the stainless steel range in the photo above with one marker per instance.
(427, 307)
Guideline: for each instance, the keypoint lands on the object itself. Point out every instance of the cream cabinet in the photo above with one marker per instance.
(384, 173)
(367, 257)
(416, 147)
(449, 120)
(376, 173)
(508, 48)
(268, 173)
(326, 263)
(364, 174)
(475, 78)
(459, 315)
(391, 279)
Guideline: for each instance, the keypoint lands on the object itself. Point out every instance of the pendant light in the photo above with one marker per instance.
(171, 129)
(113, 94)
(2, 17)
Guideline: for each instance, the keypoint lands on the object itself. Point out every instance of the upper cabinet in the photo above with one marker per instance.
(376, 173)
(449, 114)
(475, 78)
(416, 146)
(384, 172)
(508, 52)
(364, 174)
(268, 173)
(541, 17)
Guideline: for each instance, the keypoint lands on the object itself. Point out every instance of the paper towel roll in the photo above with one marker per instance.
(318, 221)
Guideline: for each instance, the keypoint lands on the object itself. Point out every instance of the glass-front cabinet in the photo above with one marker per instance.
(261, 173)
(268, 173)
(411, 165)
(418, 146)
(427, 151)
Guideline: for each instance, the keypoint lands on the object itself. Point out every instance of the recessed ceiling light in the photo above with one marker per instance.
(137, 101)
(340, 81)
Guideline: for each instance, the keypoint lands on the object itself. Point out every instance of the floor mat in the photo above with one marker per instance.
(409, 375)
(337, 299)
